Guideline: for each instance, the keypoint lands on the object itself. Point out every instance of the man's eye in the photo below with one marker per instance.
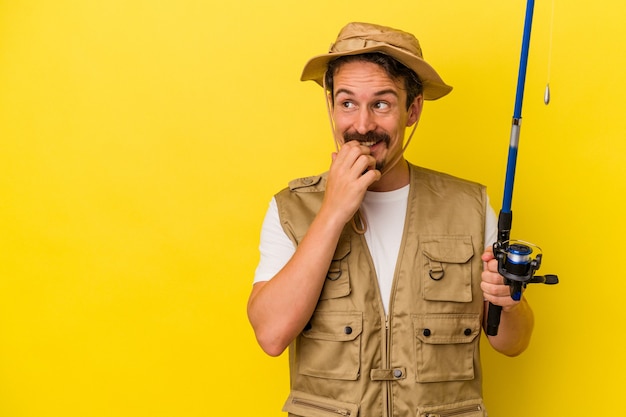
(381, 105)
(347, 105)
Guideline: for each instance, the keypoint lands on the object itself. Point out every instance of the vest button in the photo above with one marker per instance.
(467, 332)
(397, 373)
(426, 332)
(347, 330)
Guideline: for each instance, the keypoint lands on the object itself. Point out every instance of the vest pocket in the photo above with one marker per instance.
(337, 282)
(470, 408)
(330, 345)
(308, 405)
(447, 269)
(445, 346)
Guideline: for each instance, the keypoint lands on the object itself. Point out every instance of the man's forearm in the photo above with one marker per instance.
(280, 308)
(515, 331)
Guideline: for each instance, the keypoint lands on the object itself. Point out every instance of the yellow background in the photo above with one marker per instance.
(141, 141)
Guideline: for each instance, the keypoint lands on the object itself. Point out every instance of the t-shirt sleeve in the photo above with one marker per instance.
(491, 226)
(275, 247)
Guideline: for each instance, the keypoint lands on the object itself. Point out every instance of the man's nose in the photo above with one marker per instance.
(365, 121)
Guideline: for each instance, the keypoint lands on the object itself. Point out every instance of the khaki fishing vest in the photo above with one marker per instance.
(422, 359)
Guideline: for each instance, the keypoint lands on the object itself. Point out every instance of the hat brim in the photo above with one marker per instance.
(433, 86)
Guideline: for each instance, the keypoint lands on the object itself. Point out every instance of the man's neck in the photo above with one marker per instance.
(393, 179)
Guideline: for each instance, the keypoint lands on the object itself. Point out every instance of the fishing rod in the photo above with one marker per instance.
(517, 260)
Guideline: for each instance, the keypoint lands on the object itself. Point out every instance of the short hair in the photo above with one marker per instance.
(393, 68)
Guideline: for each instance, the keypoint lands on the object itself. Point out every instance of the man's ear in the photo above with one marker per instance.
(415, 110)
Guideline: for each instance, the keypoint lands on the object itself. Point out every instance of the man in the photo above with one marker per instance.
(371, 272)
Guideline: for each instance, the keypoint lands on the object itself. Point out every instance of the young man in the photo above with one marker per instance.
(372, 273)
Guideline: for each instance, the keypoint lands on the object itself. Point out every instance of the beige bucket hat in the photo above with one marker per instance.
(359, 38)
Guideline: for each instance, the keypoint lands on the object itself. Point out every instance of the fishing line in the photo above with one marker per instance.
(546, 94)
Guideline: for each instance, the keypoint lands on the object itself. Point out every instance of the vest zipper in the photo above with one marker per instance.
(456, 412)
(387, 361)
(321, 407)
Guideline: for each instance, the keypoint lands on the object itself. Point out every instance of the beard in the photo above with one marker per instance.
(368, 139)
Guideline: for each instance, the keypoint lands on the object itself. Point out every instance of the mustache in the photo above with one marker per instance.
(370, 136)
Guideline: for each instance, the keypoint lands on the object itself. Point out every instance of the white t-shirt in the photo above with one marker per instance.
(384, 214)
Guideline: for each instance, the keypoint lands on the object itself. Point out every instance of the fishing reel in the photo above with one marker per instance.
(517, 263)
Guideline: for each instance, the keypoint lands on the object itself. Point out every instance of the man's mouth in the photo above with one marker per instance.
(368, 139)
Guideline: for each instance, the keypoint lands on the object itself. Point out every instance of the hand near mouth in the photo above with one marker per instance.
(352, 171)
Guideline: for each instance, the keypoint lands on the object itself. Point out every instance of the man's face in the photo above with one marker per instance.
(371, 107)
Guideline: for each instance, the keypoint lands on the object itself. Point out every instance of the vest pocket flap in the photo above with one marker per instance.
(337, 282)
(440, 329)
(308, 405)
(330, 346)
(334, 326)
(300, 183)
(446, 268)
(343, 248)
(448, 249)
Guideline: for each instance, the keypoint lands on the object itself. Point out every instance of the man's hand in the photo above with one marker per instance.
(352, 171)
(516, 325)
(494, 289)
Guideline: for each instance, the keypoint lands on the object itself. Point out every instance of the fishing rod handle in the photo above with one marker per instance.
(493, 319)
